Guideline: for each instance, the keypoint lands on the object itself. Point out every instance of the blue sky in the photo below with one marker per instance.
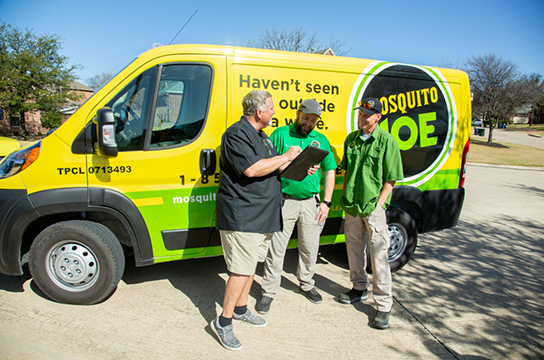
(106, 35)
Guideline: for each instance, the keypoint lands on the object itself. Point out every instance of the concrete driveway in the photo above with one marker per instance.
(472, 292)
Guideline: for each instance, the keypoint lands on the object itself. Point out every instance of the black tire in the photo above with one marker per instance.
(402, 231)
(77, 262)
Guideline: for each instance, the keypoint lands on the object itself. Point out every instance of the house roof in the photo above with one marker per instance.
(74, 85)
(327, 51)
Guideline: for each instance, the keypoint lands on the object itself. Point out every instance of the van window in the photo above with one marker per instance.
(130, 111)
(182, 104)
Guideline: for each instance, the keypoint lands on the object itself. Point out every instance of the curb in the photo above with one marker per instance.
(510, 167)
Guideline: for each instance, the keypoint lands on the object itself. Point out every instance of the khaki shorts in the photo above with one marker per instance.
(243, 250)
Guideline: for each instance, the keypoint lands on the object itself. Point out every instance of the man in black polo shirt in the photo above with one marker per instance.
(248, 206)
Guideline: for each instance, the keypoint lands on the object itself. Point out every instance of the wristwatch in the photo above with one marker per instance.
(328, 203)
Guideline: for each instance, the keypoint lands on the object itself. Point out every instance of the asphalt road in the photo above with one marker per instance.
(512, 137)
(472, 292)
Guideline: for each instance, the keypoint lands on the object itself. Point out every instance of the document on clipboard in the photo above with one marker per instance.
(298, 169)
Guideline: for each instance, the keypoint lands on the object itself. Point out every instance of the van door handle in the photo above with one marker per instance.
(208, 161)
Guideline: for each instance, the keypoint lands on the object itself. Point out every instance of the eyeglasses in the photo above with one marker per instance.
(267, 148)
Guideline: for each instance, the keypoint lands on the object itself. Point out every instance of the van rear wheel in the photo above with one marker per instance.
(77, 262)
(402, 231)
(402, 236)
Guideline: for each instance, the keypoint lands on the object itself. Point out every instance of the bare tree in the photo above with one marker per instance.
(96, 82)
(296, 40)
(498, 88)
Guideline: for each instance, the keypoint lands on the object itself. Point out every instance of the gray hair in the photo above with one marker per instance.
(255, 100)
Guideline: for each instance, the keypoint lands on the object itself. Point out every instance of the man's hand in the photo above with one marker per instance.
(323, 213)
(313, 170)
(293, 152)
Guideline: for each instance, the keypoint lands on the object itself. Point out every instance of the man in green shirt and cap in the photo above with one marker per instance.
(373, 164)
(301, 206)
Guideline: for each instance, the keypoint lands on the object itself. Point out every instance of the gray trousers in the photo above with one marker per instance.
(375, 227)
(302, 213)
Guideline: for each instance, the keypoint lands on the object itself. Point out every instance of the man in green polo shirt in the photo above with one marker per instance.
(372, 163)
(301, 206)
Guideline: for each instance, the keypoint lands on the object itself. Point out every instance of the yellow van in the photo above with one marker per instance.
(135, 168)
(7, 145)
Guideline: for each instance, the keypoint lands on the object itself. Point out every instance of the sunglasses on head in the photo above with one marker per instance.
(367, 105)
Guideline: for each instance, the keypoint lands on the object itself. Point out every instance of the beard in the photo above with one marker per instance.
(304, 131)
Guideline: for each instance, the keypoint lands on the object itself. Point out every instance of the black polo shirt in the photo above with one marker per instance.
(243, 203)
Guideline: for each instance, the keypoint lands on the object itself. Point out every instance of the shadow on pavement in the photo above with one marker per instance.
(480, 285)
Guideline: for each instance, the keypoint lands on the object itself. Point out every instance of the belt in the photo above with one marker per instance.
(285, 196)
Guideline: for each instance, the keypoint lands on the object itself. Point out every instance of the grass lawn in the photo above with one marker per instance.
(505, 154)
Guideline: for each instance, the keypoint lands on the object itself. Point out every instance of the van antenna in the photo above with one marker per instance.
(183, 27)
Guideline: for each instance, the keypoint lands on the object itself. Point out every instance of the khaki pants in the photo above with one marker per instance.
(302, 213)
(375, 227)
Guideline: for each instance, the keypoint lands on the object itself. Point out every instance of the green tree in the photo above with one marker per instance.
(296, 40)
(34, 75)
(499, 88)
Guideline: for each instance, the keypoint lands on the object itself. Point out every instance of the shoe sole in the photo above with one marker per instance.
(379, 327)
(212, 325)
(353, 300)
(262, 312)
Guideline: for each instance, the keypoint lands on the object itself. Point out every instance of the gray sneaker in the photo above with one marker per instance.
(263, 306)
(225, 335)
(381, 321)
(250, 318)
(353, 296)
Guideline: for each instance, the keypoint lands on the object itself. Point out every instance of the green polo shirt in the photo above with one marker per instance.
(287, 136)
(369, 164)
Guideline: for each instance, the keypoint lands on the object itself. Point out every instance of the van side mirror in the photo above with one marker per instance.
(208, 162)
(105, 129)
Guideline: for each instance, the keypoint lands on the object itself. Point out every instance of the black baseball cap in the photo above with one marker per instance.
(370, 106)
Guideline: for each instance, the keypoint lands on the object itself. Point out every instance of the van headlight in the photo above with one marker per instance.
(19, 160)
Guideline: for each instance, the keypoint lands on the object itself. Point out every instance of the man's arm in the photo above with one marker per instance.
(266, 166)
(386, 190)
(327, 195)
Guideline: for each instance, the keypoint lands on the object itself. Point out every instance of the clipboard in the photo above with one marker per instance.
(298, 169)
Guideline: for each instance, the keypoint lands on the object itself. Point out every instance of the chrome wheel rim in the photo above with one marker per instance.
(72, 266)
(398, 238)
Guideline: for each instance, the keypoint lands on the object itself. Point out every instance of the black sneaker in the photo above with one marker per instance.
(353, 296)
(312, 295)
(381, 321)
(263, 306)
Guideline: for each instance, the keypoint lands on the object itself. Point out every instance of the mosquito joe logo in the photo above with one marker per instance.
(418, 110)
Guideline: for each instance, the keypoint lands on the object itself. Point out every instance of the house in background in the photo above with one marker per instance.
(84, 93)
(328, 51)
(11, 124)
(521, 114)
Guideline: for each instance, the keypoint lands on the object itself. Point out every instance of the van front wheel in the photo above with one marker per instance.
(77, 262)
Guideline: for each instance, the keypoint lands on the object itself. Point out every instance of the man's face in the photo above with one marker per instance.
(266, 116)
(367, 123)
(305, 123)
